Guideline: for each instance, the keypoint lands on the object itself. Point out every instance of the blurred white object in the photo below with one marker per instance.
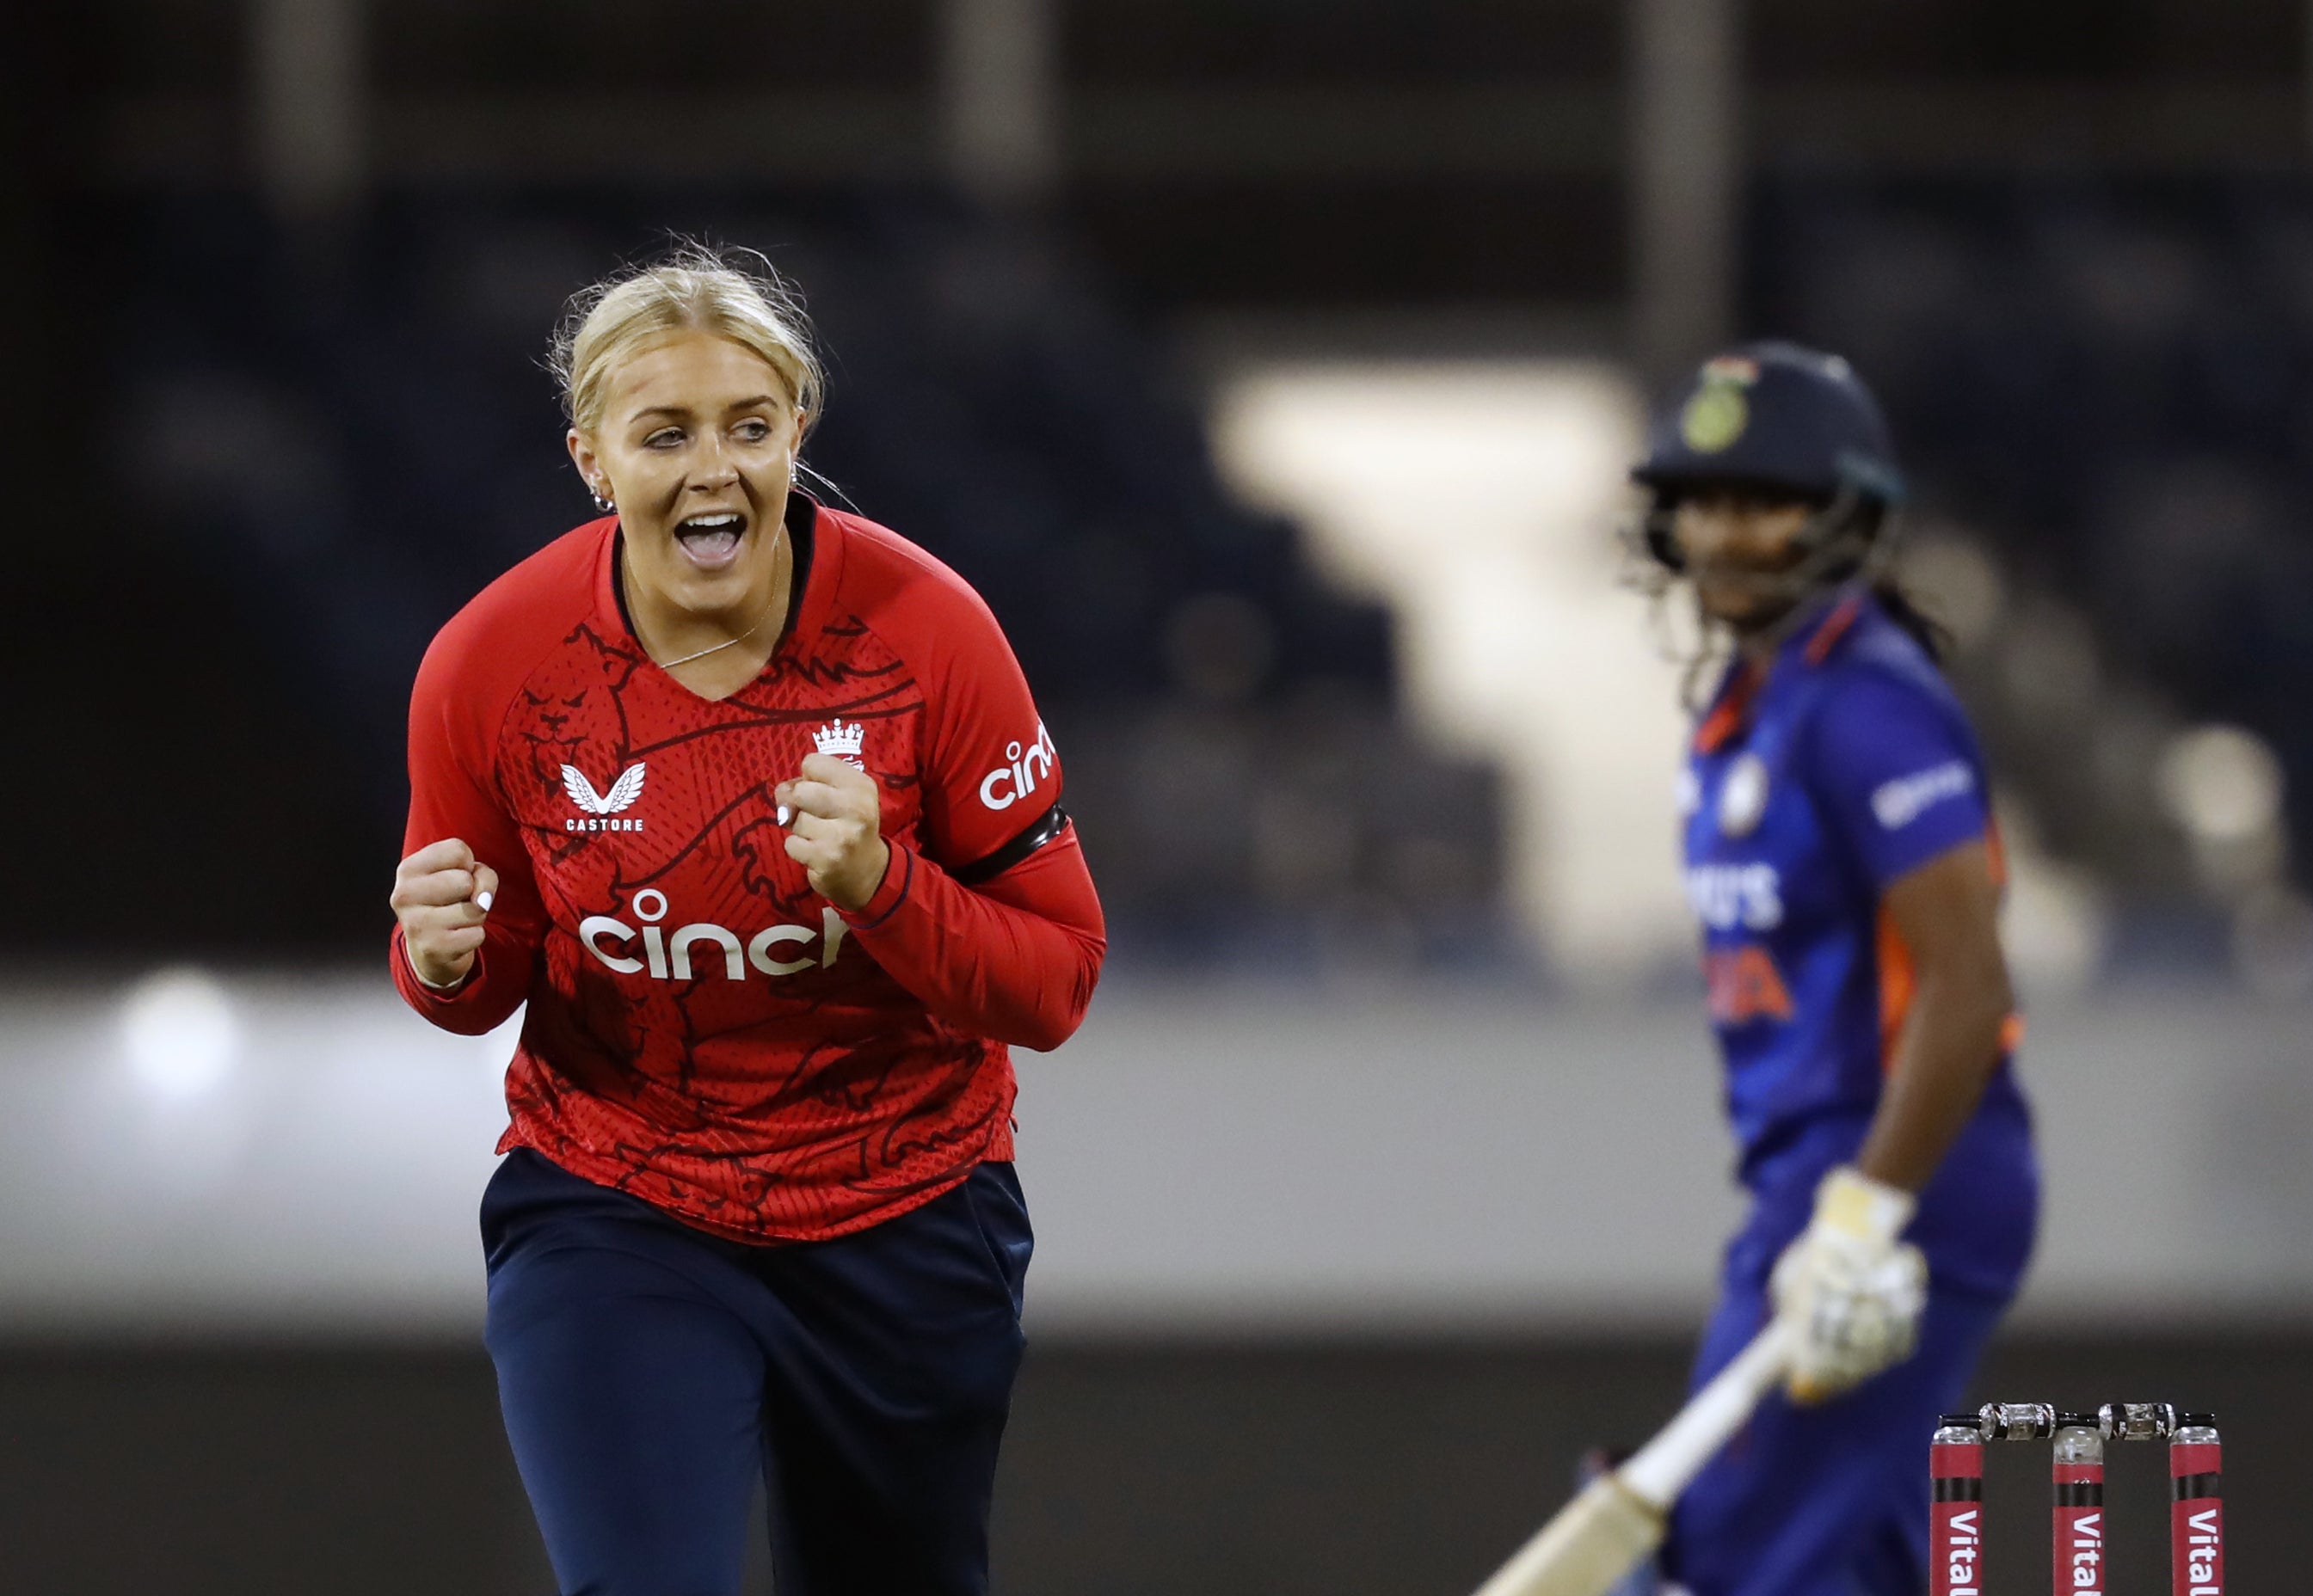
(2223, 787)
(1479, 499)
(180, 1033)
(2053, 918)
(2221, 783)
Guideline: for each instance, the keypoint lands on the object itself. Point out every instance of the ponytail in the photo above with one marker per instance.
(1930, 634)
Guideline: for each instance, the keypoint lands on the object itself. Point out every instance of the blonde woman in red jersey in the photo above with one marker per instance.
(748, 801)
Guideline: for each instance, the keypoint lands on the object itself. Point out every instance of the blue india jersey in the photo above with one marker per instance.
(1812, 786)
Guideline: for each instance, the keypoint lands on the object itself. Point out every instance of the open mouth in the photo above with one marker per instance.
(711, 540)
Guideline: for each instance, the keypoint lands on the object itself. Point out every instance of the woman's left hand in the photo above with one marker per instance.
(834, 830)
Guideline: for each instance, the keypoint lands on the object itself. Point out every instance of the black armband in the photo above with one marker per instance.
(1047, 826)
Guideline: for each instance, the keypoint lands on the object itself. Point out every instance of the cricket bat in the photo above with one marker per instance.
(1620, 1517)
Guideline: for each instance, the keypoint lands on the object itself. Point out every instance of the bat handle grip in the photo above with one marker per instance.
(1660, 1469)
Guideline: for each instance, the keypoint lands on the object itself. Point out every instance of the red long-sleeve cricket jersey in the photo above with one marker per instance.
(705, 1032)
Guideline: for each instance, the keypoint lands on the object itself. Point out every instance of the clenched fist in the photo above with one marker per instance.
(833, 814)
(442, 895)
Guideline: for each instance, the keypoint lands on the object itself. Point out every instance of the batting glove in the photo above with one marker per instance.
(1856, 1291)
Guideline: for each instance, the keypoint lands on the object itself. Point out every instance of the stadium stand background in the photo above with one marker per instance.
(363, 445)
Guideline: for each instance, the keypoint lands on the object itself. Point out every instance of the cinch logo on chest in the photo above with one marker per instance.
(602, 809)
(668, 957)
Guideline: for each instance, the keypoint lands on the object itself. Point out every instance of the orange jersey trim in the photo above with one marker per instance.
(1899, 976)
(1733, 710)
(1834, 627)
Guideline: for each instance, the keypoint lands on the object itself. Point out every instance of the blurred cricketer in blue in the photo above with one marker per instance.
(1845, 871)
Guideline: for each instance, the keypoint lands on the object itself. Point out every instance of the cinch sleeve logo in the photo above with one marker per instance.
(1022, 772)
(1902, 801)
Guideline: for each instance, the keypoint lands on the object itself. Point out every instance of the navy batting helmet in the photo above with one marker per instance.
(1776, 415)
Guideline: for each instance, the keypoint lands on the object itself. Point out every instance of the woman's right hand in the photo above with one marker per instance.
(442, 895)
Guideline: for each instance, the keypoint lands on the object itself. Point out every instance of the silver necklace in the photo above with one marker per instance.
(728, 641)
(718, 647)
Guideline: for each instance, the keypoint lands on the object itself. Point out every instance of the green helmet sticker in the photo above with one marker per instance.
(1715, 417)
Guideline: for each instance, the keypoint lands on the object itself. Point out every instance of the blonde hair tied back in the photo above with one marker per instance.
(695, 287)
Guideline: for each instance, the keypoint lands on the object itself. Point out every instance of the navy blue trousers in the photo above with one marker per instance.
(1833, 1500)
(650, 1373)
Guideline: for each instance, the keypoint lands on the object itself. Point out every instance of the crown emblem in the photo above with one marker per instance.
(840, 740)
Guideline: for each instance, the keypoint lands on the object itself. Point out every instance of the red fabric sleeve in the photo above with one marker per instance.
(991, 769)
(1014, 959)
(453, 723)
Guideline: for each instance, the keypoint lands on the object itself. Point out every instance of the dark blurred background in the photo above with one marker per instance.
(279, 277)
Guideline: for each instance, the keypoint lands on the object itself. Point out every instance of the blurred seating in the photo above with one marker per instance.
(2114, 378)
(361, 426)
